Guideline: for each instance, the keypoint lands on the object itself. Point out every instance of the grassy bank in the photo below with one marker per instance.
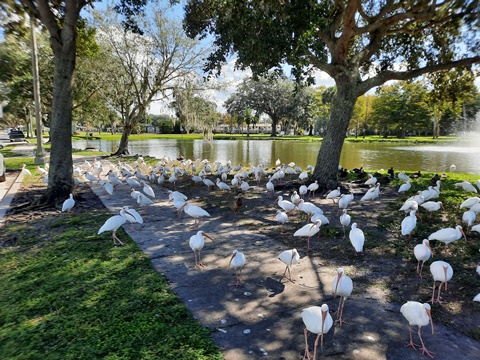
(68, 293)
(410, 139)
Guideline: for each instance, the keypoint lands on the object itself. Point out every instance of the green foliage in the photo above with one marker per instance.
(70, 294)
(401, 109)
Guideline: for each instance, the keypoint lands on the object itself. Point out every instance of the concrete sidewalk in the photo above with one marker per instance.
(261, 320)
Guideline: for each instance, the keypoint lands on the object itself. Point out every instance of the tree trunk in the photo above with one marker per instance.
(326, 168)
(274, 125)
(123, 146)
(60, 177)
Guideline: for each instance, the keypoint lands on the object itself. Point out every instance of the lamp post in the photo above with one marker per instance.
(39, 153)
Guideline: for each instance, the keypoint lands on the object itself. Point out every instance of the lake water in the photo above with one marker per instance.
(433, 158)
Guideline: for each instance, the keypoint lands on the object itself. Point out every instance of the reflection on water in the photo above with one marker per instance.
(434, 158)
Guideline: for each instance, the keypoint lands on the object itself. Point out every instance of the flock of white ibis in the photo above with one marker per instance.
(316, 319)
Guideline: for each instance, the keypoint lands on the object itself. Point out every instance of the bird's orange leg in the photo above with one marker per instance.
(421, 269)
(340, 320)
(289, 277)
(199, 260)
(423, 348)
(433, 294)
(411, 343)
(307, 352)
(418, 268)
(439, 290)
(115, 239)
(316, 344)
(308, 244)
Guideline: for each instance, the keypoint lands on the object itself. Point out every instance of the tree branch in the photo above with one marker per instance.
(407, 75)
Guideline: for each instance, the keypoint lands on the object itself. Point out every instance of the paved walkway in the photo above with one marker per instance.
(261, 320)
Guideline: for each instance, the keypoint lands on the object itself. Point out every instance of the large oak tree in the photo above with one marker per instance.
(361, 44)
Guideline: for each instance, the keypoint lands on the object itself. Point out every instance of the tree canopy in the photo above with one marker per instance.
(361, 44)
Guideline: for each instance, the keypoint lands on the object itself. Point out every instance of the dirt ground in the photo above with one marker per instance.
(380, 267)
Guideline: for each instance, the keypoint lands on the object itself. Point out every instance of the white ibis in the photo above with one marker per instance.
(132, 216)
(270, 186)
(344, 200)
(197, 242)
(372, 180)
(295, 198)
(289, 258)
(113, 224)
(430, 193)
(333, 194)
(308, 231)
(422, 253)
(221, 185)
(131, 181)
(147, 189)
(402, 176)
(108, 186)
(134, 193)
(469, 217)
(313, 187)
(178, 203)
(441, 271)
(140, 176)
(281, 217)
(343, 286)
(194, 211)
(302, 190)
(303, 176)
(308, 207)
(470, 202)
(142, 200)
(357, 238)
(237, 261)
(42, 171)
(208, 183)
(453, 167)
(25, 171)
(197, 179)
(176, 194)
(432, 206)
(114, 180)
(448, 235)
(317, 320)
(409, 223)
(467, 186)
(475, 228)
(68, 204)
(405, 187)
(244, 185)
(172, 179)
(372, 193)
(475, 208)
(90, 177)
(417, 314)
(286, 205)
(318, 215)
(409, 205)
(345, 220)
(418, 197)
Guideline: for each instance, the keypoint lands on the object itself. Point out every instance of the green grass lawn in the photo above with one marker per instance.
(68, 293)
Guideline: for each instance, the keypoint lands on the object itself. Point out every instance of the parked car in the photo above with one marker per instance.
(2, 167)
(16, 135)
